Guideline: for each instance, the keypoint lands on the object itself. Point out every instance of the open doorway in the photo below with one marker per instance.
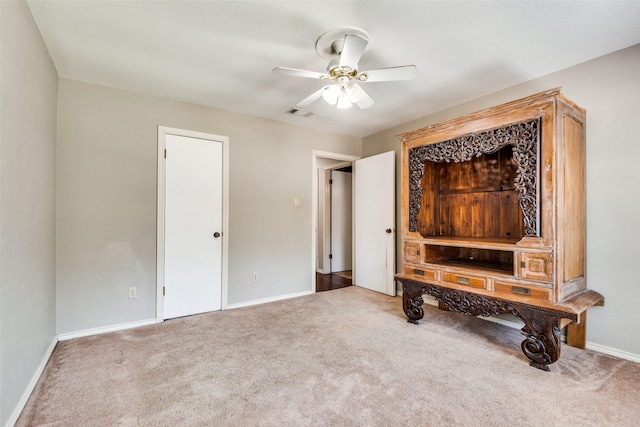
(335, 243)
(333, 221)
(373, 233)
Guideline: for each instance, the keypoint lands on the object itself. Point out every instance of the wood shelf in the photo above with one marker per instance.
(475, 264)
(496, 243)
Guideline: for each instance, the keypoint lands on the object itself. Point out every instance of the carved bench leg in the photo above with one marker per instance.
(412, 301)
(541, 325)
(542, 332)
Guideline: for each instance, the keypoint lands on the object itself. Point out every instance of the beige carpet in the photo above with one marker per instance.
(341, 358)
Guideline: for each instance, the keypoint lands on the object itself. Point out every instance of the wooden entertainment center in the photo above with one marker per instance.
(493, 219)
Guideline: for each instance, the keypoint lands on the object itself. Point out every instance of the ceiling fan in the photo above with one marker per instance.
(344, 47)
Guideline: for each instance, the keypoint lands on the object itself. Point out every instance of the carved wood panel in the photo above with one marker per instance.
(525, 139)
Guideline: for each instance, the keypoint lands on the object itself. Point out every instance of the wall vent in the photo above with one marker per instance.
(299, 112)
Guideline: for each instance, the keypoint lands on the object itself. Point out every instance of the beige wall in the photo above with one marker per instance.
(107, 201)
(609, 88)
(27, 204)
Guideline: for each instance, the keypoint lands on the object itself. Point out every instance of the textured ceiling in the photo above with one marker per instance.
(221, 53)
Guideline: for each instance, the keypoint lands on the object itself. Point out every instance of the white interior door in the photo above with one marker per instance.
(375, 223)
(193, 226)
(341, 228)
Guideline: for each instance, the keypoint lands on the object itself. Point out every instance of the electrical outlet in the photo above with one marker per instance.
(133, 293)
(254, 277)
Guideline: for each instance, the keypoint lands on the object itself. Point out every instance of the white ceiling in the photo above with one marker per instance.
(221, 53)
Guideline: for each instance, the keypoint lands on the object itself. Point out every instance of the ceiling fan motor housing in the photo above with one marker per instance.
(335, 70)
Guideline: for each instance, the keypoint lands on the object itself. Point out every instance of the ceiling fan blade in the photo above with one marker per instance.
(352, 49)
(405, 72)
(300, 73)
(363, 100)
(309, 99)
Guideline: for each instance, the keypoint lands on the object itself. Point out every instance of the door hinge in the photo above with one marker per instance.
(163, 290)
(330, 181)
(330, 256)
(165, 153)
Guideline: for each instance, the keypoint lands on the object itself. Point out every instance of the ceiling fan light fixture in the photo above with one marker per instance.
(343, 100)
(330, 94)
(341, 93)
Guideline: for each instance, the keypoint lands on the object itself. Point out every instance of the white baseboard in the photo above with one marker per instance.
(505, 322)
(515, 325)
(32, 384)
(613, 352)
(265, 300)
(105, 329)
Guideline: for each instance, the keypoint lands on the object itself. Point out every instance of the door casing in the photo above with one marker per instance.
(326, 236)
(340, 221)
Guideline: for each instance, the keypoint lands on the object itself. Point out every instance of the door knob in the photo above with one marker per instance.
(216, 234)
(388, 230)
